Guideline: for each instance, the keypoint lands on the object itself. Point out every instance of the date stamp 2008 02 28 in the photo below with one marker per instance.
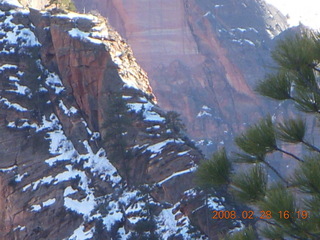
(262, 215)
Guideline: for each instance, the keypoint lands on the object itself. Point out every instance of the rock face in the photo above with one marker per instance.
(60, 73)
(203, 57)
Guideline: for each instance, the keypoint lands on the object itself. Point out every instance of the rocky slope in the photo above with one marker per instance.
(207, 55)
(59, 72)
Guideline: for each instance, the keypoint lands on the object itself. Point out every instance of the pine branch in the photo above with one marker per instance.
(277, 86)
(307, 176)
(311, 87)
(314, 148)
(291, 130)
(251, 186)
(277, 173)
(281, 227)
(290, 154)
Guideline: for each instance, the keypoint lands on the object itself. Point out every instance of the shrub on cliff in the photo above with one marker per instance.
(117, 123)
(64, 4)
(287, 207)
(174, 125)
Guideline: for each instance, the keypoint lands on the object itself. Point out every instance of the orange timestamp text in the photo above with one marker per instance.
(261, 215)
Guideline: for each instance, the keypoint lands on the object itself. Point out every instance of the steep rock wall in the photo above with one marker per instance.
(56, 71)
(203, 57)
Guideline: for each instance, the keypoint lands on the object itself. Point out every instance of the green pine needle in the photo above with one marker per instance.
(279, 198)
(258, 139)
(276, 86)
(296, 52)
(245, 234)
(272, 232)
(307, 101)
(307, 177)
(214, 172)
(291, 130)
(250, 186)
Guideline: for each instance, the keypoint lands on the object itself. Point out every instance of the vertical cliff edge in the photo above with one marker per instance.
(61, 74)
(204, 57)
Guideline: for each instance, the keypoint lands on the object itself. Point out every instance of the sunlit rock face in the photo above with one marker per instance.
(203, 57)
(58, 73)
(38, 4)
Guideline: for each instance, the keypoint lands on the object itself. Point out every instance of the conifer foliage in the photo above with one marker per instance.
(64, 4)
(116, 126)
(293, 200)
(174, 124)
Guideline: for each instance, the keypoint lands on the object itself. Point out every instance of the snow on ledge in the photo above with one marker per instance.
(8, 66)
(190, 170)
(81, 234)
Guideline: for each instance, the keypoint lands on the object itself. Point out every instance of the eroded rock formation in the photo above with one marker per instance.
(58, 72)
(203, 57)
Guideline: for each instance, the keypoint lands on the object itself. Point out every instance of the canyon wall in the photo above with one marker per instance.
(60, 75)
(203, 57)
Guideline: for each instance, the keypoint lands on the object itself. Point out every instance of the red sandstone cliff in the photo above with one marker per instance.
(58, 72)
(203, 57)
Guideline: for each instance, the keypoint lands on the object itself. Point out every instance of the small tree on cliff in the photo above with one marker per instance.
(116, 127)
(290, 205)
(64, 4)
(174, 124)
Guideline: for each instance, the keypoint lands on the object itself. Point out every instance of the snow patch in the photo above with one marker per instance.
(17, 34)
(8, 66)
(35, 208)
(168, 225)
(68, 191)
(20, 89)
(183, 153)
(15, 106)
(242, 41)
(76, 33)
(73, 15)
(248, 41)
(54, 82)
(8, 169)
(126, 97)
(18, 178)
(67, 111)
(157, 148)
(215, 204)
(19, 228)
(49, 202)
(205, 111)
(190, 170)
(115, 215)
(147, 110)
(84, 207)
(81, 234)
(99, 164)
(207, 14)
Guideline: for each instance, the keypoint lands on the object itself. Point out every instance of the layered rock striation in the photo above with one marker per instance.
(203, 57)
(60, 73)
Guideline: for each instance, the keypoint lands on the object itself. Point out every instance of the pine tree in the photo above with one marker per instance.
(68, 5)
(117, 123)
(64, 4)
(293, 201)
(174, 124)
